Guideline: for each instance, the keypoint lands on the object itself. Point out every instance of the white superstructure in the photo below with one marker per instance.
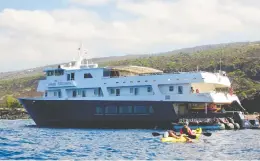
(81, 80)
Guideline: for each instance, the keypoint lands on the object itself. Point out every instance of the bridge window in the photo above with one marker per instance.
(55, 93)
(171, 88)
(50, 73)
(59, 72)
(87, 75)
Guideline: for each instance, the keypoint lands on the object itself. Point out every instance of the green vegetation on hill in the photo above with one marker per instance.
(241, 61)
(20, 87)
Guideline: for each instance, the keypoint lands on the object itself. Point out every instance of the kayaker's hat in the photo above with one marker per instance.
(186, 123)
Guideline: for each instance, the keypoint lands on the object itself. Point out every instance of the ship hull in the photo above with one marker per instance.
(82, 113)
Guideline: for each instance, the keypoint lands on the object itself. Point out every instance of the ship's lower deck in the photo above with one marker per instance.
(104, 114)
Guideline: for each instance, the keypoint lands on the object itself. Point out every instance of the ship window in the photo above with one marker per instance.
(149, 89)
(59, 72)
(151, 109)
(112, 91)
(74, 93)
(136, 91)
(125, 109)
(72, 77)
(68, 77)
(79, 92)
(46, 94)
(50, 73)
(180, 90)
(131, 90)
(140, 109)
(87, 75)
(99, 110)
(106, 73)
(100, 93)
(117, 92)
(111, 109)
(59, 94)
(171, 88)
(55, 93)
(95, 92)
(83, 93)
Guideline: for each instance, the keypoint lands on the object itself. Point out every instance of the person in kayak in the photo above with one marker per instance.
(173, 134)
(186, 130)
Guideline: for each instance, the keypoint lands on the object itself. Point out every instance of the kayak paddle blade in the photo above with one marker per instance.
(207, 134)
(192, 136)
(156, 134)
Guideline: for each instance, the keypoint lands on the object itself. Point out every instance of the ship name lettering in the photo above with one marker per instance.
(64, 83)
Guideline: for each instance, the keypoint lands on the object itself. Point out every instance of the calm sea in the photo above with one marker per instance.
(20, 139)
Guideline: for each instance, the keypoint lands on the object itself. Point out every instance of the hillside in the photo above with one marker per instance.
(240, 60)
(103, 60)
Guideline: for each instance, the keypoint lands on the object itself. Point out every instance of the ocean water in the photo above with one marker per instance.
(21, 139)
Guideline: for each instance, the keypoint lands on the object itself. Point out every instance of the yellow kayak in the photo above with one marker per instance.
(182, 138)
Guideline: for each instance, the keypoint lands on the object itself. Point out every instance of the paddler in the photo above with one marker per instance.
(186, 130)
(171, 133)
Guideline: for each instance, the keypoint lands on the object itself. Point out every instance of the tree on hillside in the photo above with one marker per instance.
(12, 102)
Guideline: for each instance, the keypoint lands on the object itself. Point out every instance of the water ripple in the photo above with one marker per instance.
(21, 139)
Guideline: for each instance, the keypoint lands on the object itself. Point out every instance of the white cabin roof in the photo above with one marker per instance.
(135, 69)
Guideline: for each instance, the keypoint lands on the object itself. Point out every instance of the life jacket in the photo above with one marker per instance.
(185, 131)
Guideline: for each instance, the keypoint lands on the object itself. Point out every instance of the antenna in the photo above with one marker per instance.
(220, 61)
(220, 64)
(80, 49)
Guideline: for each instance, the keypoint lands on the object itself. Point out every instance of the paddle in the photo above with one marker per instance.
(191, 136)
(156, 134)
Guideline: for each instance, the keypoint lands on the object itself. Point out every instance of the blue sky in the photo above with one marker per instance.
(33, 4)
(49, 31)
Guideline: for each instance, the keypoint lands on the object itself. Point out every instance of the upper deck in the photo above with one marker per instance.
(83, 80)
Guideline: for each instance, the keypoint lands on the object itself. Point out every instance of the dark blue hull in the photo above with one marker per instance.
(83, 113)
(109, 114)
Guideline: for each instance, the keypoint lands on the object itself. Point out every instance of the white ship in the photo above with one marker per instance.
(81, 94)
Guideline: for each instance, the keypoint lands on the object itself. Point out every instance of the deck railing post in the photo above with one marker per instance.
(206, 109)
